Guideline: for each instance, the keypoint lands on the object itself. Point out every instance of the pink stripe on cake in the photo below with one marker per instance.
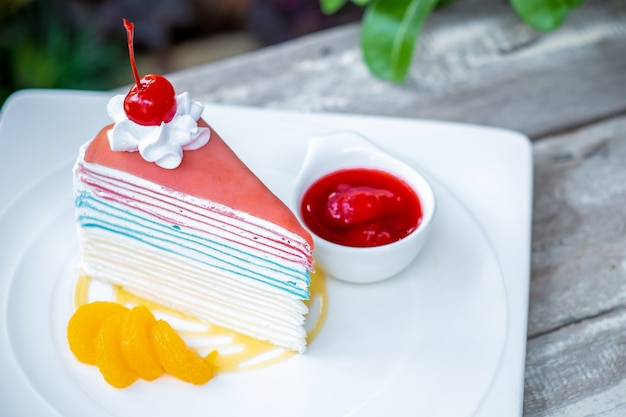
(102, 187)
(212, 172)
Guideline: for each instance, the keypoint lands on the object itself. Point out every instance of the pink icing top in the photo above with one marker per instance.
(212, 172)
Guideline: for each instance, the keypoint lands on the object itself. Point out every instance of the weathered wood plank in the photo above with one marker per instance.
(576, 352)
(579, 370)
(579, 226)
(476, 62)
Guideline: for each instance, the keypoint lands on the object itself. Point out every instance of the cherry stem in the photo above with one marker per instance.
(130, 30)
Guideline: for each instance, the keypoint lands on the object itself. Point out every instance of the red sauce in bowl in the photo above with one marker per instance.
(361, 207)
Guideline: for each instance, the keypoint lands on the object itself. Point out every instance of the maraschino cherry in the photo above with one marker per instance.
(152, 99)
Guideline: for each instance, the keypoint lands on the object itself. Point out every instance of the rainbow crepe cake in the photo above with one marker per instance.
(171, 214)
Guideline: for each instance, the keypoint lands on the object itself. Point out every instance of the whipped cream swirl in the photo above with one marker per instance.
(163, 144)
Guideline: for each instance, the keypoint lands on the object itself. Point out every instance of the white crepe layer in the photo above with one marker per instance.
(193, 255)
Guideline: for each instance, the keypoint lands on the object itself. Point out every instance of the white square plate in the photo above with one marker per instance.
(446, 337)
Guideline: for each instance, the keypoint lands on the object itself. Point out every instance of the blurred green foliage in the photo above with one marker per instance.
(40, 49)
(81, 44)
(390, 28)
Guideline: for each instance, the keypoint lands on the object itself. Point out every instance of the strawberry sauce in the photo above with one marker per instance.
(361, 207)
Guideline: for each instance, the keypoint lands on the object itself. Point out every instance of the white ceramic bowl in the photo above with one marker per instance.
(330, 153)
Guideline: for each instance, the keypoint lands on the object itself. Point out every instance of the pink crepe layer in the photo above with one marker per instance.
(212, 172)
(120, 191)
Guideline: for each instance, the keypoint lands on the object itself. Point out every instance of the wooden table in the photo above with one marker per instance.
(566, 90)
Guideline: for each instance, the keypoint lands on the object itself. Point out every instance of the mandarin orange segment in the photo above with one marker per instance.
(84, 324)
(109, 357)
(136, 343)
(177, 358)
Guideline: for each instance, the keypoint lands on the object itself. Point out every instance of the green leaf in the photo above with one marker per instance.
(389, 32)
(544, 15)
(331, 6)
